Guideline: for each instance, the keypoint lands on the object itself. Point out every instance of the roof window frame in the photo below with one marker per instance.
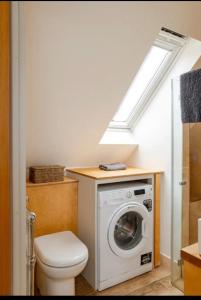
(166, 41)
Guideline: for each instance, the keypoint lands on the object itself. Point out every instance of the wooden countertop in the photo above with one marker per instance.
(96, 173)
(66, 180)
(190, 254)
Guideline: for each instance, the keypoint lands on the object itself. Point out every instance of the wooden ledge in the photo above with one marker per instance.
(66, 180)
(190, 254)
(96, 173)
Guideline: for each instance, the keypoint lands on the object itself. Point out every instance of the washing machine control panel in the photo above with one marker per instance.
(129, 194)
(148, 204)
(141, 194)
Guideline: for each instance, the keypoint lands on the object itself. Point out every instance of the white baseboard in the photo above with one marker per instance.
(165, 260)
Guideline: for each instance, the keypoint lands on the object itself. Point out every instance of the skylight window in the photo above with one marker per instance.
(151, 72)
(148, 70)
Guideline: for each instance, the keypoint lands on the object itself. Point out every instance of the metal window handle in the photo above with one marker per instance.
(183, 182)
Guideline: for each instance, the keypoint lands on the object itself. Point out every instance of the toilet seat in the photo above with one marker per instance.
(62, 272)
(60, 250)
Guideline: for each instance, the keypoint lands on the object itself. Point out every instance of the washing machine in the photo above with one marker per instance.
(125, 232)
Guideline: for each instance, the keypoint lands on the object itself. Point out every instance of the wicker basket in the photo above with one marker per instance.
(41, 174)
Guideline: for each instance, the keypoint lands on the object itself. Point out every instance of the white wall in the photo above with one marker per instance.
(80, 58)
(153, 134)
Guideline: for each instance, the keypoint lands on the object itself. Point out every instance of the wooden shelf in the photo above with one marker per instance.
(96, 173)
(191, 270)
(66, 180)
(190, 254)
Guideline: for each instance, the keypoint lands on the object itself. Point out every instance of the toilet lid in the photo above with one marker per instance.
(61, 249)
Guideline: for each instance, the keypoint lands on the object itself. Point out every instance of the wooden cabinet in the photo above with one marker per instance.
(55, 206)
(89, 181)
(192, 270)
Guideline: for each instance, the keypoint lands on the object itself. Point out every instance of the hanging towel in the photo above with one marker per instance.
(190, 88)
(112, 166)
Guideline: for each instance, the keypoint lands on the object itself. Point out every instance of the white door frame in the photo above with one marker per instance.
(18, 153)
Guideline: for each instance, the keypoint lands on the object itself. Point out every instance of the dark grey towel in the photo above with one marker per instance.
(112, 166)
(190, 88)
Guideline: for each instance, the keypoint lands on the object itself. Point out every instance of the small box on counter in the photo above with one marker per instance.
(42, 174)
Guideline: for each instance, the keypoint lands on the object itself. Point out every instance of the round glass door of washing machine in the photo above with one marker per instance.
(128, 230)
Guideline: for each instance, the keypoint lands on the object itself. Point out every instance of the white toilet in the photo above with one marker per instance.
(60, 258)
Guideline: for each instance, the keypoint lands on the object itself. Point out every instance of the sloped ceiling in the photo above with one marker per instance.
(79, 59)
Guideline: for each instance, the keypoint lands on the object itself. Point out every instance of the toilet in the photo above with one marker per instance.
(60, 258)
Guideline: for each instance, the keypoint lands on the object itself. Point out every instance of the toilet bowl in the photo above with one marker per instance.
(60, 258)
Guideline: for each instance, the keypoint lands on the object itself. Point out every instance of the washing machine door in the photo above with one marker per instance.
(128, 230)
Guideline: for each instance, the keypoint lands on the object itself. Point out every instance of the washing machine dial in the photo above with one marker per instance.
(129, 194)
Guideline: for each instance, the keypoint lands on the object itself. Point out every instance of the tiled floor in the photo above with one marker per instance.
(156, 282)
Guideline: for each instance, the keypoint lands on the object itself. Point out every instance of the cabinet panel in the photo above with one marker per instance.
(55, 206)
